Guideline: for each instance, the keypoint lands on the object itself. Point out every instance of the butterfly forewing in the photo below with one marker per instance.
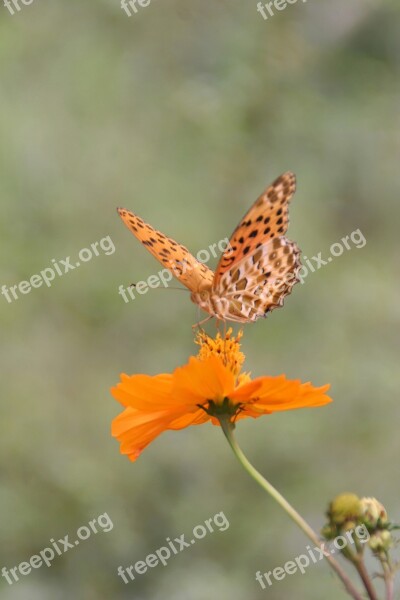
(173, 256)
(266, 219)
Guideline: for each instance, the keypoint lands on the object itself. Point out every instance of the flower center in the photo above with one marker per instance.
(222, 409)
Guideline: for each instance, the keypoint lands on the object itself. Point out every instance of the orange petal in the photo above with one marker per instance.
(196, 418)
(144, 392)
(278, 394)
(135, 429)
(154, 404)
(202, 380)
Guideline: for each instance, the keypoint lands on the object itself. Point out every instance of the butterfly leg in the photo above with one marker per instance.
(218, 325)
(200, 323)
(224, 338)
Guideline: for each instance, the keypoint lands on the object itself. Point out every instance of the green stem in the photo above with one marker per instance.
(227, 428)
(357, 560)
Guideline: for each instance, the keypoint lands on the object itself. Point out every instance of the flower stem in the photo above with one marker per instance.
(362, 571)
(388, 577)
(227, 428)
(357, 560)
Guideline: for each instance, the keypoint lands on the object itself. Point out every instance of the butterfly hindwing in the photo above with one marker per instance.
(260, 282)
(173, 256)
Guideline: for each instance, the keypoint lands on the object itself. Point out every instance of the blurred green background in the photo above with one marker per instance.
(183, 113)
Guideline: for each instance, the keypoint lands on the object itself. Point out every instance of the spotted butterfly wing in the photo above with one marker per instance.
(267, 218)
(187, 269)
(260, 266)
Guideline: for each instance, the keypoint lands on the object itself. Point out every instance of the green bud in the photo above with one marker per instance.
(381, 540)
(328, 532)
(344, 508)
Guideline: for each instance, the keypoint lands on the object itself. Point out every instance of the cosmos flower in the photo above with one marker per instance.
(209, 387)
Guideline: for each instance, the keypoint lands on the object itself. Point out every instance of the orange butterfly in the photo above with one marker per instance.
(256, 271)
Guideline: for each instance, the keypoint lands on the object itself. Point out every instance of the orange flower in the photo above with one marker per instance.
(208, 388)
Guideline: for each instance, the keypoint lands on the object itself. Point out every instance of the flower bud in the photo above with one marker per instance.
(373, 512)
(380, 541)
(344, 508)
(328, 532)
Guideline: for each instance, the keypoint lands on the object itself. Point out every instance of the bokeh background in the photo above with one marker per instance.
(183, 113)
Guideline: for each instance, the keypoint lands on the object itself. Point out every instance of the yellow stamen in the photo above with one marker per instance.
(227, 349)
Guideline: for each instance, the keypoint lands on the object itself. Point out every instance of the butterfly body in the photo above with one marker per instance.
(255, 273)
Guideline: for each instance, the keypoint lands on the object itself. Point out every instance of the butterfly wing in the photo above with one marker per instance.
(187, 269)
(259, 283)
(267, 219)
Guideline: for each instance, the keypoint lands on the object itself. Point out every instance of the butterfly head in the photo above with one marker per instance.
(201, 297)
(210, 302)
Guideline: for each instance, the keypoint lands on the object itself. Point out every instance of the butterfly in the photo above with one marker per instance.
(255, 273)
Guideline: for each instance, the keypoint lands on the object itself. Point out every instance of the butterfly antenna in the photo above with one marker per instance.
(160, 288)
